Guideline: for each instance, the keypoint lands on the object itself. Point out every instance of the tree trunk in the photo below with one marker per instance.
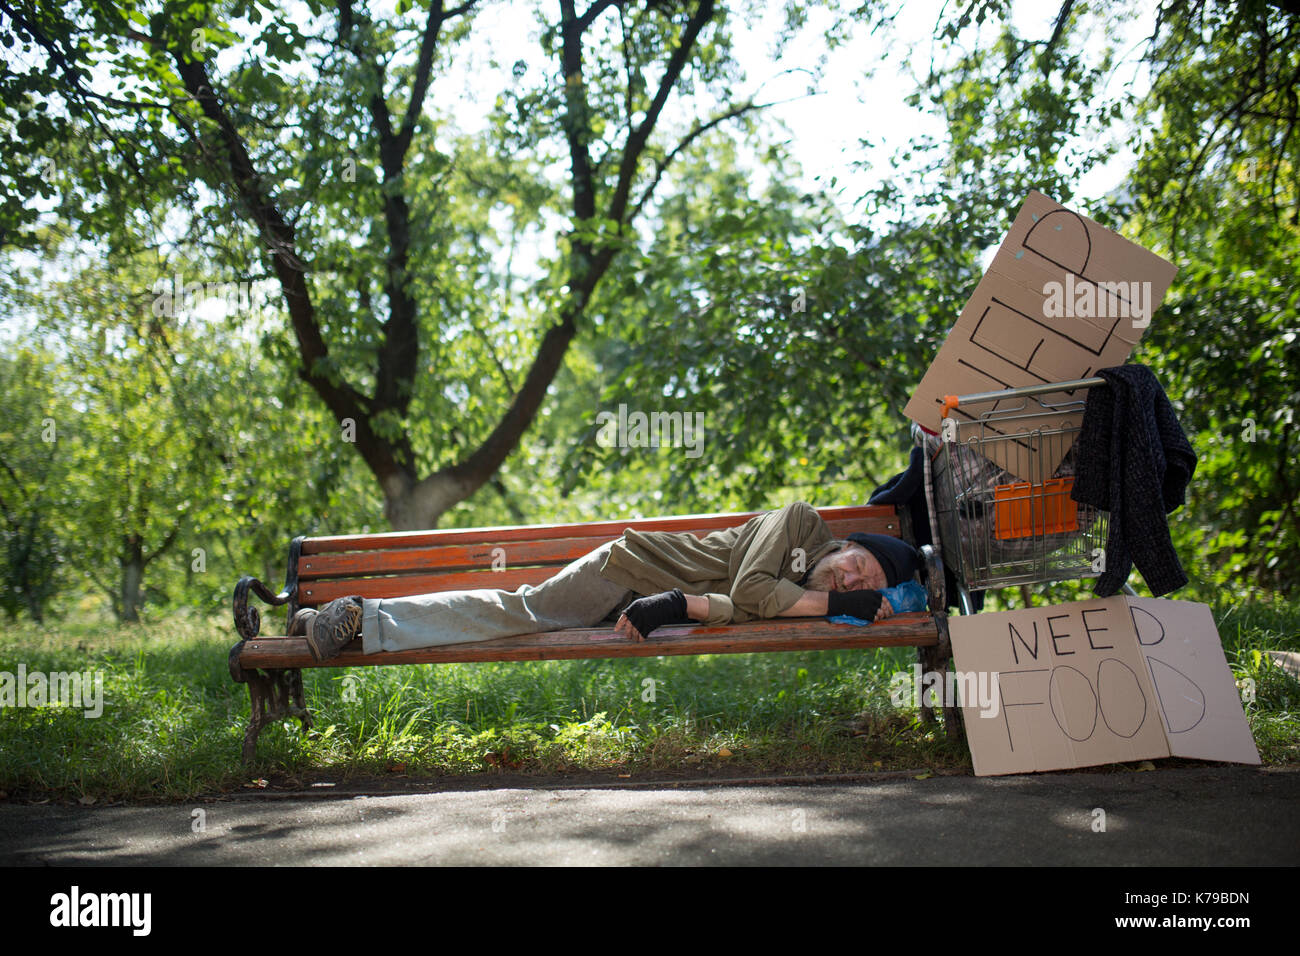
(419, 505)
(411, 502)
(132, 578)
(33, 605)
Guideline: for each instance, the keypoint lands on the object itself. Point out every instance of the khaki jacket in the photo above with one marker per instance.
(747, 572)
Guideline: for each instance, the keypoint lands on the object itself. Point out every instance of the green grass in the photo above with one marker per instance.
(1248, 632)
(173, 720)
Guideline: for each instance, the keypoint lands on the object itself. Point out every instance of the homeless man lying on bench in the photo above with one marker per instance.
(647, 578)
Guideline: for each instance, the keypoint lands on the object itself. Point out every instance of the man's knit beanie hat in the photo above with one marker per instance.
(898, 558)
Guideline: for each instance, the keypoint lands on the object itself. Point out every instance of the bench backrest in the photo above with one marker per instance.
(417, 562)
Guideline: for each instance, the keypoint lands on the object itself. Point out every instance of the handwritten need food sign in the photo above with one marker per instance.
(1096, 682)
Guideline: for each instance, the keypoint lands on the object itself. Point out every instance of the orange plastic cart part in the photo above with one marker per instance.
(1023, 509)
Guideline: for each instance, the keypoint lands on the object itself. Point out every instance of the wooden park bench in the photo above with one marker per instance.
(418, 562)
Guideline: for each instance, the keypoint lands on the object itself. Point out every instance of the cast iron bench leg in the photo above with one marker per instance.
(925, 657)
(952, 717)
(935, 659)
(275, 694)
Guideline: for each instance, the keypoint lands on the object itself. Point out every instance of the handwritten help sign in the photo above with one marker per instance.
(1062, 298)
(1096, 682)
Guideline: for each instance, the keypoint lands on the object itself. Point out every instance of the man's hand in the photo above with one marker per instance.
(624, 627)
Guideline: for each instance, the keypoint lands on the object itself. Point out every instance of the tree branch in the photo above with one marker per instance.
(71, 74)
(640, 136)
(167, 542)
(594, 11)
(343, 401)
(587, 268)
(398, 355)
(1061, 18)
(419, 87)
(112, 595)
(661, 166)
(17, 482)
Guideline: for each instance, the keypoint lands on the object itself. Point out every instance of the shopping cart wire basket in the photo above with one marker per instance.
(999, 478)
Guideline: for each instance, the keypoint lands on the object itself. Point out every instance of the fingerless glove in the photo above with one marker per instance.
(860, 604)
(647, 613)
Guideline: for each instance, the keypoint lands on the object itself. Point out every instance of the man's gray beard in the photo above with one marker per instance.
(822, 578)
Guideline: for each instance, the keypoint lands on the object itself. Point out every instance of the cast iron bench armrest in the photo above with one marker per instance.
(248, 622)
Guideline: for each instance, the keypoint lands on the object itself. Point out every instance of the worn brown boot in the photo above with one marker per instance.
(330, 629)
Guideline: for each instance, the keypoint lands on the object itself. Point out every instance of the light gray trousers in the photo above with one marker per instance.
(575, 597)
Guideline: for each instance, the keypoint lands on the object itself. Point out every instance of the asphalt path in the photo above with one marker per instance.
(1197, 816)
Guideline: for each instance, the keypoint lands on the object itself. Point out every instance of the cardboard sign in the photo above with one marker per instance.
(1062, 298)
(1096, 682)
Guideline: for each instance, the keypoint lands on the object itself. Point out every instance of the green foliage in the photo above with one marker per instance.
(795, 324)
(1218, 186)
(1214, 187)
(318, 153)
(31, 471)
(182, 457)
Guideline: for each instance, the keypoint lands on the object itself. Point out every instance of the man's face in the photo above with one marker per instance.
(852, 569)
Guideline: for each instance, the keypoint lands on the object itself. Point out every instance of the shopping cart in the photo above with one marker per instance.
(999, 477)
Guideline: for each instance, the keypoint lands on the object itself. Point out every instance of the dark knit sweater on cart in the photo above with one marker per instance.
(1134, 461)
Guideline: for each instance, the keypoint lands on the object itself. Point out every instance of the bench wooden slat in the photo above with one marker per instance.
(473, 557)
(841, 527)
(554, 553)
(800, 634)
(445, 558)
(312, 593)
(880, 518)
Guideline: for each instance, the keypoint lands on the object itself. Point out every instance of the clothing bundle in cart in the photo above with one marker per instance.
(1134, 461)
